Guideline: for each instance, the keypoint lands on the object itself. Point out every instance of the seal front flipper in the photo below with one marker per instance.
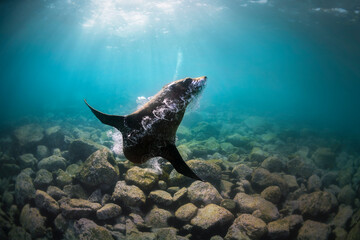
(111, 120)
(171, 154)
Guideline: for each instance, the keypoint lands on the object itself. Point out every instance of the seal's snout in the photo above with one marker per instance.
(203, 78)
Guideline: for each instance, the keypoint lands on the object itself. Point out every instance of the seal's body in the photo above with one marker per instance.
(151, 130)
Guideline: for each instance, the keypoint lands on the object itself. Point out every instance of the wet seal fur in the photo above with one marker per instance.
(151, 130)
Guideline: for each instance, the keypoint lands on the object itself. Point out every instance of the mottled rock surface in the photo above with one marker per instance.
(203, 193)
(212, 216)
(144, 178)
(130, 195)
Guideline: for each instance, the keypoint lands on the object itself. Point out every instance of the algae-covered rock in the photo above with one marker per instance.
(312, 230)
(30, 134)
(253, 227)
(324, 158)
(55, 192)
(27, 160)
(257, 155)
(158, 218)
(316, 204)
(63, 178)
(60, 223)
(52, 163)
(238, 140)
(78, 208)
(346, 195)
(248, 204)
(130, 195)
(55, 137)
(212, 217)
(273, 164)
(342, 217)
(186, 212)
(279, 229)
(81, 149)
(45, 202)
(206, 170)
(89, 230)
(144, 178)
(33, 221)
(161, 198)
(204, 130)
(99, 169)
(299, 167)
(43, 179)
(354, 233)
(24, 188)
(203, 193)
(272, 194)
(19, 233)
(108, 211)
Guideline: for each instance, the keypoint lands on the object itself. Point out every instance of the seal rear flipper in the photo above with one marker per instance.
(171, 154)
(111, 120)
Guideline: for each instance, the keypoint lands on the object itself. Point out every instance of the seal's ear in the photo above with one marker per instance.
(111, 120)
(171, 154)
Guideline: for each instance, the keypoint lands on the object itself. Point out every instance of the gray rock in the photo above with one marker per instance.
(32, 221)
(203, 193)
(161, 198)
(212, 217)
(24, 189)
(342, 217)
(228, 148)
(340, 233)
(238, 140)
(295, 222)
(316, 204)
(262, 178)
(81, 149)
(236, 234)
(312, 230)
(95, 196)
(168, 233)
(186, 212)
(226, 188)
(45, 202)
(242, 171)
(42, 152)
(314, 183)
(108, 211)
(291, 182)
(30, 134)
(60, 223)
(346, 195)
(206, 170)
(55, 137)
(329, 178)
(75, 191)
(63, 178)
(158, 218)
(27, 160)
(52, 163)
(273, 164)
(253, 227)
(324, 158)
(78, 208)
(248, 204)
(43, 179)
(354, 233)
(128, 195)
(99, 170)
(272, 194)
(279, 229)
(300, 168)
(55, 192)
(89, 230)
(18, 233)
(144, 178)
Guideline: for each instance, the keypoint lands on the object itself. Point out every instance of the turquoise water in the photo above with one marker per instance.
(293, 61)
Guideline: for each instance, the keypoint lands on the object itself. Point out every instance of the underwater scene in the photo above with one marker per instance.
(180, 120)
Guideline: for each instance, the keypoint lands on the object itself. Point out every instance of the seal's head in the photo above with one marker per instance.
(187, 88)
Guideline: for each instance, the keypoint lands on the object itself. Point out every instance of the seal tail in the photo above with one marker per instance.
(111, 120)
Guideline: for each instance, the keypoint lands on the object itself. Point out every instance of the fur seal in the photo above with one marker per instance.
(151, 130)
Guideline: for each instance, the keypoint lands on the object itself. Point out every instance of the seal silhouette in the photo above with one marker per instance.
(151, 130)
